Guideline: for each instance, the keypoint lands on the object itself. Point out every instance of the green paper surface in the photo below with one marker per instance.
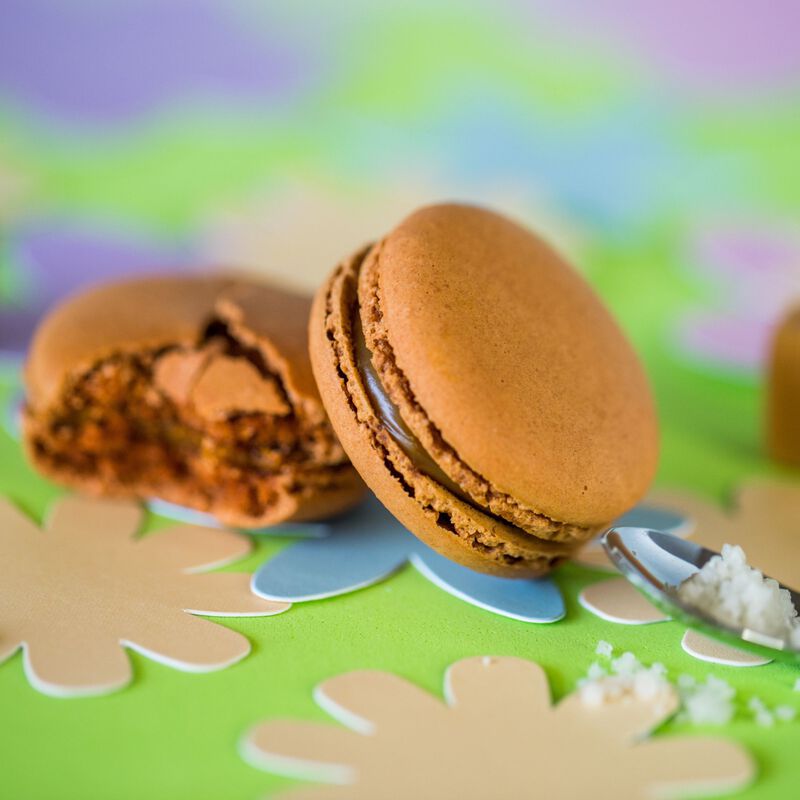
(176, 735)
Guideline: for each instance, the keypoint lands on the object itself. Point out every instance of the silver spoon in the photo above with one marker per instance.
(656, 563)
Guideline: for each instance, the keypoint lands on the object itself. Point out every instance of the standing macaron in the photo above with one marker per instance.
(482, 390)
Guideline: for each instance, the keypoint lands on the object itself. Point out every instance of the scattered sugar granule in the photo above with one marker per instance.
(648, 684)
(766, 718)
(605, 650)
(736, 594)
(596, 671)
(686, 681)
(756, 704)
(644, 686)
(631, 679)
(709, 702)
(706, 703)
(626, 664)
(763, 716)
(593, 693)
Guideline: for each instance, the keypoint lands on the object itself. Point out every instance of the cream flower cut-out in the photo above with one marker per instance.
(763, 517)
(76, 593)
(497, 735)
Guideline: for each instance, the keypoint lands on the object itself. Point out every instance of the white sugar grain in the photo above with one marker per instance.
(604, 649)
(731, 591)
(709, 702)
(626, 664)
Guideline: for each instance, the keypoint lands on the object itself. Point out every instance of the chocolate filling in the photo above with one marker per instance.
(389, 415)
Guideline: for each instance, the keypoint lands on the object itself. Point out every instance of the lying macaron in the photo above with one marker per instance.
(482, 390)
(196, 390)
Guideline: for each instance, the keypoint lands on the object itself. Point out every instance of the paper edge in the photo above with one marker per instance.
(321, 772)
(419, 564)
(757, 662)
(617, 620)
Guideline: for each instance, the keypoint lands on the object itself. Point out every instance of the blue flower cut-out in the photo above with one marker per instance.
(367, 545)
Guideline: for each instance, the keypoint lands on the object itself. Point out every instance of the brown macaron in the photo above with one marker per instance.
(483, 391)
(194, 389)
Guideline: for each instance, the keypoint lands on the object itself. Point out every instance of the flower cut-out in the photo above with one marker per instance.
(496, 735)
(76, 593)
(368, 544)
(763, 518)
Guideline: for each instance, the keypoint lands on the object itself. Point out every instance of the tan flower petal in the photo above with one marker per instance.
(498, 739)
(368, 700)
(14, 523)
(766, 523)
(80, 593)
(77, 516)
(707, 766)
(194, 548)
(707, 649)
(627, 719)
(186, 642)
(68, 662)
(225, 594)
(616, 600)
(760, 497)
(483, 684)
(8, 646)
(705, 514)
(324, 793)
(305, 749)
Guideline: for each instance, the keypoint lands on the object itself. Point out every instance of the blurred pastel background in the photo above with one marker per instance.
(658, 144)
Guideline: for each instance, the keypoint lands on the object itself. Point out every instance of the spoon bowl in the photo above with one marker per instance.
(657, 563)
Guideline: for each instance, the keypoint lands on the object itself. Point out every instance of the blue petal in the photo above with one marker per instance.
(527, 600)
(654, 518)
(193, 517)
(365, 546)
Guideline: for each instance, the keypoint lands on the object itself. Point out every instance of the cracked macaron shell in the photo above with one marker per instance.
(170, 313)
(149, 312)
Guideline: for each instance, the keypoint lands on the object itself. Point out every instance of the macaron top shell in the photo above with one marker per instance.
(118, 316)
(511, 363)
(158, 310)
